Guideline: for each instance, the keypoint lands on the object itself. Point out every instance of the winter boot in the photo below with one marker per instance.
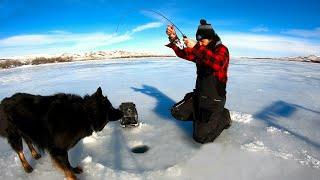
(227, 117)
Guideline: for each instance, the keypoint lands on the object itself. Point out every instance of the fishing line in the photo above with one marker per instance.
(157, 13)
(163, 16)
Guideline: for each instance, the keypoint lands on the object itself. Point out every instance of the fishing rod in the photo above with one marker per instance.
(160, 14)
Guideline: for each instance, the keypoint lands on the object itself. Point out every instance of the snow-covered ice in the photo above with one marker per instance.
(275, 108)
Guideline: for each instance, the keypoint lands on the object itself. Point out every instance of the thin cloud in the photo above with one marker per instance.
(308, 33)
(269, 45)
(260, 29)
(27, 40)
(147, 26)
(58, 41)
(59, 32)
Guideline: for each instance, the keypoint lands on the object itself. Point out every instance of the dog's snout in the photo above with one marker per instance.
(115, 114)
(120, 114)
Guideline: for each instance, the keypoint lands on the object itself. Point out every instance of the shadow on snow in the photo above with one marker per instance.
(163, 106)
(280, 109)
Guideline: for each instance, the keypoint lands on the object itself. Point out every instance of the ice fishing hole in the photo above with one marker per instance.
(140, 149)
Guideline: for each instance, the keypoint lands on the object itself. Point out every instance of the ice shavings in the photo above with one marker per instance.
(174, 171)
(94, 137)
(99, 166)
(259, 146)
(142, 127)
(135, 143)
(302, 157)
(88, 140)
(254, 146)
(275, 130)
(240, 117)
(87, 160)
(310, 160)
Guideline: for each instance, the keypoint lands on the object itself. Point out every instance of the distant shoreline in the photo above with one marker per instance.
(13, 63)
(295, 59)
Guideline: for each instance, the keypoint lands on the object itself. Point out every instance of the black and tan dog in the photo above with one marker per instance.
(53, 123)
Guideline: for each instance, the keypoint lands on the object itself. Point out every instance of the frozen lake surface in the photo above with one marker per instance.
(275, 107)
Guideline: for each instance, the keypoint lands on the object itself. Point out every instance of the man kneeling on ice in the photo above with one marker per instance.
(205, 105)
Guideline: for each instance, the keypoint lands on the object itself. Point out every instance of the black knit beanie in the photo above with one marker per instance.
(205, 31)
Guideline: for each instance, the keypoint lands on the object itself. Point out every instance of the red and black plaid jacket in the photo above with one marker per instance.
(217, 58)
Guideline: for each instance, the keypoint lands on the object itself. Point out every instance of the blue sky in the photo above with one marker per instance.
(248, 28)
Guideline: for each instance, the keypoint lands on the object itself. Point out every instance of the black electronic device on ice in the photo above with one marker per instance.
(130, 114)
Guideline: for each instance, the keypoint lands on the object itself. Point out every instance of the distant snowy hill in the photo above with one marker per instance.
(311, 58)
(37, 59)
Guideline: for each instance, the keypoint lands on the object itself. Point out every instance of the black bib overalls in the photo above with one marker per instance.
(210, 116)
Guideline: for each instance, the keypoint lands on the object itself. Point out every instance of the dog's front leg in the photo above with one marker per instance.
(60, 157)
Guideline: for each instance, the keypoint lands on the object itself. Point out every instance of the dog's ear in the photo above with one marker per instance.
(99, 91)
